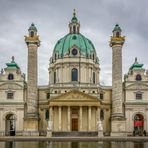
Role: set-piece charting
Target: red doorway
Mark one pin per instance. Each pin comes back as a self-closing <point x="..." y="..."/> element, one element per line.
<point x="138" y="124"/>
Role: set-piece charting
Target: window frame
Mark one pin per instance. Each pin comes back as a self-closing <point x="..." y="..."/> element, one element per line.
<point x="47" y="114"/>
<point x="138" y="77"/>
<point x="74" y="52"/>
<point x="10" y="76"/>
<point x="101" y="114"/>
<point x="54" y="77"/>
<point x="47" y="95"/>
<point x="74" y="75"/>
<point x="10" y="96"/>
<point x="138" y="95"/>
<point x="94" y="78"/>
<point x="101" y="96"/>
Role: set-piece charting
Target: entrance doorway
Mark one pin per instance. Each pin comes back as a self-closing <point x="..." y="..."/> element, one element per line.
<point x="74" y="119"/>
<point x="138" y="124"/>
<point x="10" y="125"/>
<point x="74" y="124"/>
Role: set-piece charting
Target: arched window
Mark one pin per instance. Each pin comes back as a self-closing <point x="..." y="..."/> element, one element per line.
<point x="138" y="77"/>
<point x="48" y="95"/>
<point x="93" y="56"/>
<point x="54" y="77"/>
<point x="10" y="125"/>
<point x="94" y="77"/>
<point x="10" y="76"/>
<point x="101" y="114"/>
<point x="47" y="115"/>
<point x="74" y="29"/>
<point x="101" y="96"/>
<point x="138" y="124"/>
<point x="74" y="74"/>
<point x="117" y="34"/>
<point x="32" y="34"/>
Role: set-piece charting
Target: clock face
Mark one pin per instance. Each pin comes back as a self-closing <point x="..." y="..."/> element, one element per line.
<point x="74" y="51"/>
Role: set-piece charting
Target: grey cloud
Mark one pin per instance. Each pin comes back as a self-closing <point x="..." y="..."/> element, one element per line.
<point x="51" y="17"/>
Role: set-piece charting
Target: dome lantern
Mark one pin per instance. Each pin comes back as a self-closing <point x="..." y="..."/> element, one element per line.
<point x="32" y="30"/>
<point x="117" y="31"/>
<point x="74" y="25"/>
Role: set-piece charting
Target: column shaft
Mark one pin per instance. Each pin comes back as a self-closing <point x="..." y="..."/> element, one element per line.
<point x="80" y="118"/>
<point x="60" y="127"/>
<point x="51" y="113"/>
<point x="89" y="118"/>
<point x="68" y="118"/>
<point x="98" y="114"/>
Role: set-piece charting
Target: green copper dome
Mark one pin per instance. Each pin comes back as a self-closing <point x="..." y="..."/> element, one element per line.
<point x="74" y="43"/>
<point x="136" y="65"/>
<point x="83" y="44"/>
<point x="12" y="64"/>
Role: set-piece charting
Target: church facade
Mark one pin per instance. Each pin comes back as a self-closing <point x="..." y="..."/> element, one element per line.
<point x="73" y="101"/>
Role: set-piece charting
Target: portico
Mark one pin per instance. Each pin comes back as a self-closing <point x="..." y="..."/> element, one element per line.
<point x="74" y="111"/>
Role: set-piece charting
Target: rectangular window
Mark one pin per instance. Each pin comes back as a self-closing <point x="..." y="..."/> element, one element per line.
<point x="47" y="114"/>
<point x="54" y="77"/>
<point x="138" y="96"/>
<point x="10" y="95"/>
<point x="101" y="96"/>
<point x="48" y="95"/>
<point x="94" y="77"/>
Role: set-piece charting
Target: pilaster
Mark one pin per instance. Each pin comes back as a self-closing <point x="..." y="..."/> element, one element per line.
<point x="68" y="117"/>
<point x="80" y="118"/>
<point x="89" y="118"/>
<point x="60" y="122"/>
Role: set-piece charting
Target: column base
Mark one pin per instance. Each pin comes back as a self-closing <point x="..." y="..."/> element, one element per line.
<point x="49" y="134"/>
<point x="118" y="126"/>
<point x="118" y="134"/>
<point x="31" y="126"/>
<point x="100" y="134"/>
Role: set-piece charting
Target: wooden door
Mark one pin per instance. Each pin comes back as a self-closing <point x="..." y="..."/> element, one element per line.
<point x="74" y="124"/>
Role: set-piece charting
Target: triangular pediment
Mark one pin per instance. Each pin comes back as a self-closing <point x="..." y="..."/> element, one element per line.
<point x="137" y="86"/>
<point x="73" y="96"/>
<point x="11" y="86"/>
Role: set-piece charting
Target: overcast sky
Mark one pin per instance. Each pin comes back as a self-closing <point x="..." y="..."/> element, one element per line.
<point x="97" y="19"/>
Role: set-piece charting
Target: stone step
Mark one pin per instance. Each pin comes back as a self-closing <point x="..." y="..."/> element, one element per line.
<point x="75" y="134"/>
